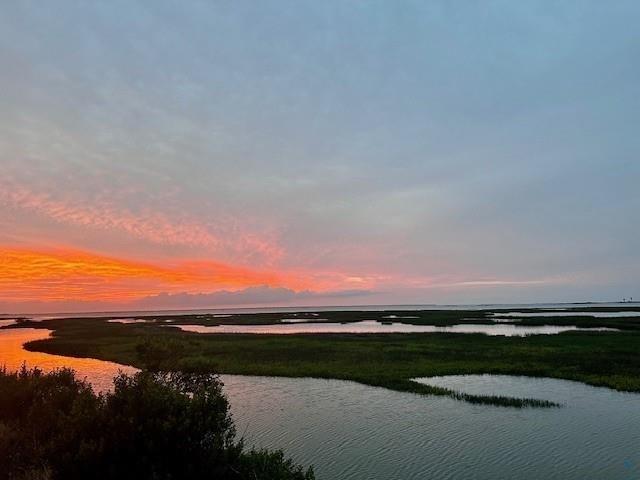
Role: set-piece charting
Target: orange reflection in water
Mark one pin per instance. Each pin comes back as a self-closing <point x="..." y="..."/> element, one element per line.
<point x="13" y="355"/>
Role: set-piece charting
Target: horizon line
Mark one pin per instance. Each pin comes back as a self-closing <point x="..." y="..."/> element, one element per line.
<point x="318" y="307"/>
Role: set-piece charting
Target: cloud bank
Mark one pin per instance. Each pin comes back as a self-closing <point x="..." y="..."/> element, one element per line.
<point x="248" y="297"/>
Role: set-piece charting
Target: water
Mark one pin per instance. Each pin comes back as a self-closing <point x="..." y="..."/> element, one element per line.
<point x="350" y="431"/>
<point x="310" y="309"/>
<point x="12" y="356"/>
<point x="303" y="320"/>
<point x="372" y="326"/>
<point x="354" y="432"/>
<point x="567" y="314"/>
<point x="130" y="320"/>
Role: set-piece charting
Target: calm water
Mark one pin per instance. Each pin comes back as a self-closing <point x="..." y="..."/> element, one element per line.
<point x="280" y="309"/>
<point x="372" y="326"/>
<point x="568" y="314"/>
<point x="354" y="432"/>
<point x="12" y="355"/>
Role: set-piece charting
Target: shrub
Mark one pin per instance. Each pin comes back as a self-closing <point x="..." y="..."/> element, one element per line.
<point x="158" y="426"/>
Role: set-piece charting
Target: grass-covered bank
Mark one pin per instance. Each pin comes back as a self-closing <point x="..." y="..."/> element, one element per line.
<point x="155" y="426"/>
<point x="604" y="359"/>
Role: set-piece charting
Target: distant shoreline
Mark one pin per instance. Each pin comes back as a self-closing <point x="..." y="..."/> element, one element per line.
<point x="318" y="308"/>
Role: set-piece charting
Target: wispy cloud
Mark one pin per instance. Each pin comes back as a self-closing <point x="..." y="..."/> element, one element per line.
<point x="152" y="226"/>
<point x="147" y="224"/>
<point x="261" y="295"/>
<point x="498" y="283"/>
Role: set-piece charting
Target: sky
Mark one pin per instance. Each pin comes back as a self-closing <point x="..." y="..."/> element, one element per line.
<point x="177" y="154"/>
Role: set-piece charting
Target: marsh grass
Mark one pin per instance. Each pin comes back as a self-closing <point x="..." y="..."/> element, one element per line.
<point x="607" y="359"/>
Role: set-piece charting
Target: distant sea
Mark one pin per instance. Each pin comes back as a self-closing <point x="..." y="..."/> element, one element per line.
<point x="281" y="309"/>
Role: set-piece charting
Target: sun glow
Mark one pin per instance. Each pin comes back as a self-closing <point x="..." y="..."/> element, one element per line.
<point x="64" y="274"/>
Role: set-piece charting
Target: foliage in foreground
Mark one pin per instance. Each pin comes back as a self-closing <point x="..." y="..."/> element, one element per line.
<point x="156" y="426"/>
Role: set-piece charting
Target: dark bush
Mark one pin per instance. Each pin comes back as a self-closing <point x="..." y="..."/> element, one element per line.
<point x="158" y="426"/>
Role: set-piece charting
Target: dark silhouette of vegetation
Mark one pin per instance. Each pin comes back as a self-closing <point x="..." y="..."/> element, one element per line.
<point x="440" y="318"/>
<point x="160" y="354"/>
<point x="159" y="426"/>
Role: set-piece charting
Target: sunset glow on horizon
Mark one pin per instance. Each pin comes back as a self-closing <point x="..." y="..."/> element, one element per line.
<point x="156" y="156"/>
<point x="58" y="275"/>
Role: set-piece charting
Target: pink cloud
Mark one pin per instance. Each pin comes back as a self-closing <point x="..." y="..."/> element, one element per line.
<point x="227" y="238"/>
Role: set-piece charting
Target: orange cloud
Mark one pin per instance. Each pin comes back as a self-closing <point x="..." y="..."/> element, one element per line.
<point x="67" y="274"/>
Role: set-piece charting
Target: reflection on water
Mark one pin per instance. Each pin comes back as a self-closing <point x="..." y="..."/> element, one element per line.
<point x="12" y="355"/>
<point x="559" y="391"/>
<point x="567" y="314"/>
<point x="130" y="320"/>
<point x="5" y="322"/>
<point x="151" y="321"/>
<point x="302" y="320"/>
<point x="351" y="431"/>
<point x="371" y="326"/>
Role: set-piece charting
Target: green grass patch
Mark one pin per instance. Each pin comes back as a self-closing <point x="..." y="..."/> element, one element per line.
<point x="608" y="359"/>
